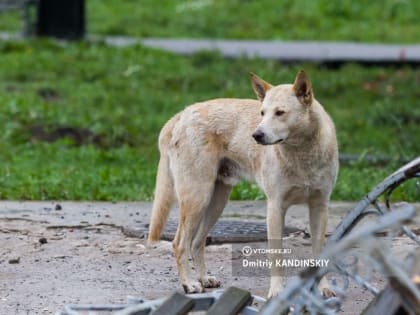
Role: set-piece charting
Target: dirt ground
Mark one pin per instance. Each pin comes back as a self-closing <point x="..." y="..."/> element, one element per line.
<point x="50" y="257"/>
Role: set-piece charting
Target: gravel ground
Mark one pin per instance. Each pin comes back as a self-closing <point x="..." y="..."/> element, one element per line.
<point x="79" y="255"/>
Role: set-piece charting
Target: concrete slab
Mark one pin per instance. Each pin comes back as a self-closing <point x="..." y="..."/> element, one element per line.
<point x="288" y="51"/>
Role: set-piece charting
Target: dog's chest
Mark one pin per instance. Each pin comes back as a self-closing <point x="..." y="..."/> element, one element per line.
<point x="296" y="179"/>
<point x="298" y="182"/>
<point x="305" y="173"/>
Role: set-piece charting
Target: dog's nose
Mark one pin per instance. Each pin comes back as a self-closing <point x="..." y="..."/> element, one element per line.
<point x="258" y="136"/>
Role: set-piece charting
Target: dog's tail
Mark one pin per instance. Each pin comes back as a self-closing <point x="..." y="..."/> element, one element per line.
<point x="164" y="197"/>
<point x="164" y="192"/>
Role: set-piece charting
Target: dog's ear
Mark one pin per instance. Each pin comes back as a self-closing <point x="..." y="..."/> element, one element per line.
<point x="303" y="88"/>
<point x="260" y="86"/>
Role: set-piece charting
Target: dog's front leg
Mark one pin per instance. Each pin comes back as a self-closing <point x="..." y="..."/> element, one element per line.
<point x="318" y="218"/>
<point x="275" y="228"/>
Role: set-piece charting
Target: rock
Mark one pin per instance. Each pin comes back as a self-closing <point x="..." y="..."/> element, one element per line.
<point x="14" y="260"/>
<point x="58" y="207"/>
<point x="43" y="240"/>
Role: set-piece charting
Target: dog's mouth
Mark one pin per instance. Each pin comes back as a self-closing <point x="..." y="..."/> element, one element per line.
<point x="276" y="142"/>
<point x="271" y="143"/>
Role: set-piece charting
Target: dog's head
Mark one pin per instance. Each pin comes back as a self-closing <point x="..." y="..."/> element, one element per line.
<point x="285" y="108"/>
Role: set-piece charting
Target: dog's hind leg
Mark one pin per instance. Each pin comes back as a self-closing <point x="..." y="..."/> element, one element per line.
<point x="215" y="208"/>
<point x="194" y="195"/>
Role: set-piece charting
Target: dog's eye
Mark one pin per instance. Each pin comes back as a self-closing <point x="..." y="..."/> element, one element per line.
<point x="262" y="113"/>
<point x="279" y="112"/>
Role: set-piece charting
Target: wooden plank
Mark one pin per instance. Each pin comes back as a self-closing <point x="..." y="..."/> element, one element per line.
<point x="231" y="302"/>
<point x="176" y="304"/>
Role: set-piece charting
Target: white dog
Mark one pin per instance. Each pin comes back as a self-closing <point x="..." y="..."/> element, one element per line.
<point x="285" y="141"/>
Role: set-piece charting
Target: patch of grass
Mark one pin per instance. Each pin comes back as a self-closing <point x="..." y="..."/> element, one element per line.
<point x="56" y="171"/>
<point x="266" y="19"/>
<point x="125" y="95"/>
<point x="393" y="21"/>
<point x="10" y="21"/>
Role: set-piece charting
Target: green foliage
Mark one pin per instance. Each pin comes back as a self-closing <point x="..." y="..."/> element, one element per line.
<point x="394" y="21"/>
<point x="123" y="96"/>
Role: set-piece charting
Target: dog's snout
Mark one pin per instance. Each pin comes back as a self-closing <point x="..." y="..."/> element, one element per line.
<point x="258" y="136"/>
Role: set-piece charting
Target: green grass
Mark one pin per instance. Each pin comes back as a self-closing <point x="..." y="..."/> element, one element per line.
<point x="125" y="95"/>
<point x="393" y="21"/>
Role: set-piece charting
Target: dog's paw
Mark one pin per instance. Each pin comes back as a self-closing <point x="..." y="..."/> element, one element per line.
<point x="193" y="287"/>
<point x="274" y="291"/>
<point x="327" y="293"/>
<point x="325" y="289"/>
<point x="210" y="282"/>
<point x="276" y="286"/>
